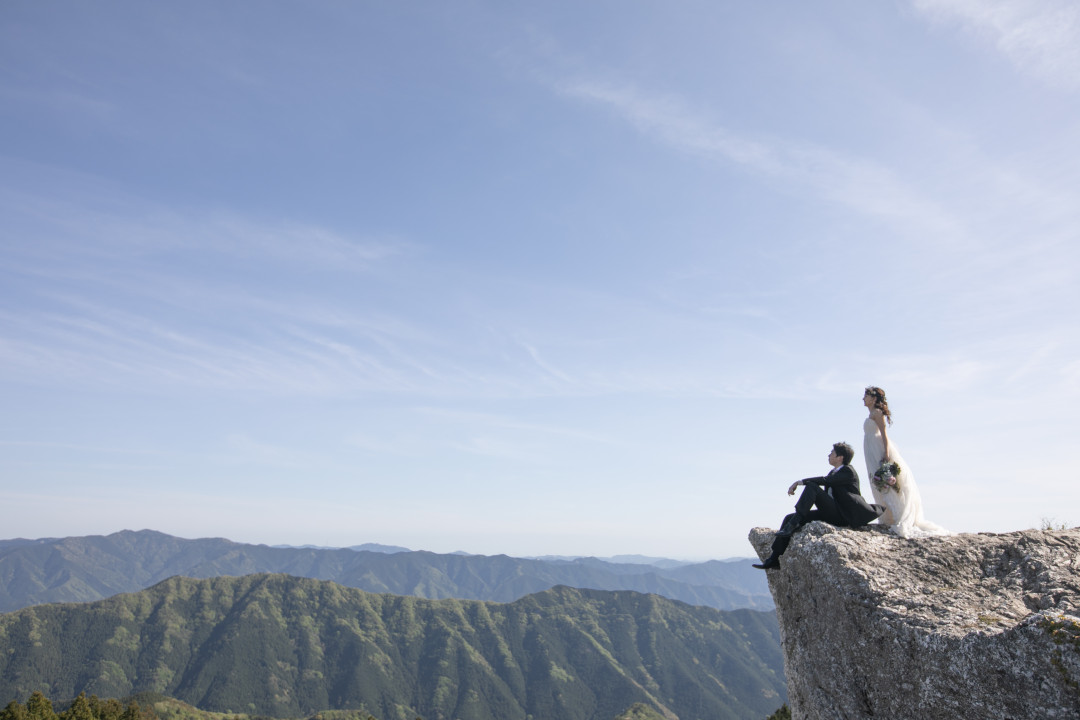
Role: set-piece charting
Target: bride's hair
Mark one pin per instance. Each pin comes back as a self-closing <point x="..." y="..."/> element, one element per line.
<point x="880" y="402"/>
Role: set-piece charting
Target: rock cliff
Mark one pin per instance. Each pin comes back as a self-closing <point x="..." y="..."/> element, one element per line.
<point x="981" y="626"/>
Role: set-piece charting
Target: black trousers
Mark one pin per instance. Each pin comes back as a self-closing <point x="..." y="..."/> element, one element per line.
<point x="814" y="503"/>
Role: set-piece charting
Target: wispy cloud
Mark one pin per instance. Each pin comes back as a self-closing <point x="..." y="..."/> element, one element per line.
<point x="71" y="219"/>
<point x="308" y="245"/>
<point x="1041" y="37"/>
<point x="409" y="432"/>
<point x="954" y="371"/>
<point x="860" y="184"/>
<point x="1071" y="377"/>
<point x="1037" y="361"/>
<point x="544" y="365"/>
<point x="102" y="345"/>
<point x="498" y="422"/>
<point x="105" y="288"/>
<point x="64" y="103"/>
<point x="241" y="449"/>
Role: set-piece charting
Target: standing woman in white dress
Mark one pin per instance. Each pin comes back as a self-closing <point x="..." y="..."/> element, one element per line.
<point x="903" y="505"/>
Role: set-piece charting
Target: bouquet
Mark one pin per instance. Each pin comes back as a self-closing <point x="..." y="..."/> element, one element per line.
<point x="887" y="477"/>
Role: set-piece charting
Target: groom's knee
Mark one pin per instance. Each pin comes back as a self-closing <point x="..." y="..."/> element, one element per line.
<point x="807" y="499"/>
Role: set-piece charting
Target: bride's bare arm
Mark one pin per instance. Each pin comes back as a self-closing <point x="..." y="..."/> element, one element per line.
<point x="879" y="419"/>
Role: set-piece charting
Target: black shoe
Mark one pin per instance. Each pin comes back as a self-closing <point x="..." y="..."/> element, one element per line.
<point x="770" y="564"/>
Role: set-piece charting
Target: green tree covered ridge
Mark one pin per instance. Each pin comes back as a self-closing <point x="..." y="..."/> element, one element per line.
<point x="39" y="707"/>
<point x="284" y="646"/>
<point x="159" y="707"/>
<point x="144" y="706"/>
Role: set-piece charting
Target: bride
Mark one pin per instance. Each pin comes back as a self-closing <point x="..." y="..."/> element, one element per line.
<point x="903" y="506"/>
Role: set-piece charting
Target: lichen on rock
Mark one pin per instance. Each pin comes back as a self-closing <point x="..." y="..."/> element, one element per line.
<point x="962" y="626"/>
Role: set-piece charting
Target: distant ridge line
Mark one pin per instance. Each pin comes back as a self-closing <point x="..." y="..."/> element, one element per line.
<point x="84" y="569"/>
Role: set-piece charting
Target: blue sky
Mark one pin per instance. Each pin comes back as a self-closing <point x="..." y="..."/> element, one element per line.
<point x="531" y="278"/>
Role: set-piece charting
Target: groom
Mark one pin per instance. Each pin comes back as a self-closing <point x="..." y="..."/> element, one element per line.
<point x="836" y="498"/>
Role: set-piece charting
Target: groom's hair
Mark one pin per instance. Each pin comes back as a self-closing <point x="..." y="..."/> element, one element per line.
<point x="844" y="451"/>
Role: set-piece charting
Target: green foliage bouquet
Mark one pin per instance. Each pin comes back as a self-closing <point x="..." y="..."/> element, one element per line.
<point x="887" y="477"/>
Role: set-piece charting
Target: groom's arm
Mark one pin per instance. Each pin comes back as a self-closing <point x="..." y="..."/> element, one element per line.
<point x="825" y="481"/>
<point x="804" y="481"/>
<point x="843" y="476"/>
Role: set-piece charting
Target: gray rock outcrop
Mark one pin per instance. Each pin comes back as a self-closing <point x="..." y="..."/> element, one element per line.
<point x="981" y="626"/>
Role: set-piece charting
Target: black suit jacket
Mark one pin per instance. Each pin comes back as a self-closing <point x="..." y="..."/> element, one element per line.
<point x="849" y="501"/>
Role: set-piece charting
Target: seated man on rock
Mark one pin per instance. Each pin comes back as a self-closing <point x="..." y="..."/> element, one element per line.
<point x="834" y="498"/>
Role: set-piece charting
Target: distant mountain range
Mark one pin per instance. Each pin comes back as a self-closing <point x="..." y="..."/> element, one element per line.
<point x="284" y="646"/>
<point x="366" y="547"/>
<point x="84" y="569"/>
<point x="621" y="560"/>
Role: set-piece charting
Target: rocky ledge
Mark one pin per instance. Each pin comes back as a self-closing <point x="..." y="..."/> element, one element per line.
<point x="966" y="626"/>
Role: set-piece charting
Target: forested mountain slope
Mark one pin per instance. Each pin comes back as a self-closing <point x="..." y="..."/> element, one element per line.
<point x="284" y="646"/>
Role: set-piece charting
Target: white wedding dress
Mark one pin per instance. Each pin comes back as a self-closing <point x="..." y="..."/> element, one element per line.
<point x="904" y="512"/>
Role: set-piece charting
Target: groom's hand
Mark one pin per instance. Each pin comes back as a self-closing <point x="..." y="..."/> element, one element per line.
<point x="791" y="490"/>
